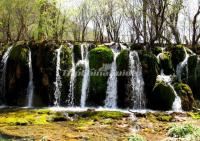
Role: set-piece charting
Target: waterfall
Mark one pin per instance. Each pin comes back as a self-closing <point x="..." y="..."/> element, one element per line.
<point x="72" y="80"/>
<point x="137" y="82"/>
<point x="167" y="79"/>
<point x="30" y="89"/>
<point x="111" y="98"/>
<point x="58" y="83"/>
<point x="86" y="76"/>
<point x="181" y="65"/>
<point x="4" y="63"/>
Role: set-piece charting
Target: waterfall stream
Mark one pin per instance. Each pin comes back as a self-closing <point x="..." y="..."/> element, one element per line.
<point x="137" y="82"/>
<point x="182" y="65"/>
<point x="167" y="79"/>
<point x="58" y="83"/>
<point x="111" y="98"/>
<point x="30" y="89"/>
<point x="86" y="76"/>
<point x="70" y="99"/>
<point x="4" y="63"/>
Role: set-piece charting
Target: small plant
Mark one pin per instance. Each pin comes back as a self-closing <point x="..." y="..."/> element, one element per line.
<point x="187" y="131"/>
<point x="136" y="138"/>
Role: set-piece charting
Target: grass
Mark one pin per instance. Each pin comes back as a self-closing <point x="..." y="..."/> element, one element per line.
<point x="187" y="131"/>
<point x="136" y="138"/>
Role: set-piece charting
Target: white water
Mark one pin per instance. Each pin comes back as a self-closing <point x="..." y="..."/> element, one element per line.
<point x="86" y="76"/>
<point x="177" y="102"/>
<point x="137" y="82"/>
<point x="4" y="63"/>
<point x="181" y="66"/>
<point x="30" y="89"/>
<point x="72" y="80"/>
<point x="58" y="82"/>
<point x="111" y="98"/>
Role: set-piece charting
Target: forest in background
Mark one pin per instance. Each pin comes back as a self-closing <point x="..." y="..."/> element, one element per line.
<point x="137" y="21"/>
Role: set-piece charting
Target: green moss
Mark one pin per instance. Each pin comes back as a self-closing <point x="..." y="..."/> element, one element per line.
<point x="122" y="60"/>
<point x="187" y="99"/>
<point x="77" y="52"/>
<point x="194" y="115"/>
<point x="164" y="117"/>
<point x="99" y="56"/>
<point x="136" y="138"/>
<point x="157" y="50"/>
<point x="162" y="96"/>
<point x="178" y="54"/>
<point x="166" y="63"/>
<point x="19" y="53"/>
<point x="150" y="68"/>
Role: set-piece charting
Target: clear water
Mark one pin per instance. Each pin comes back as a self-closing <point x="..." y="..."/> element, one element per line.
<point x="4" y="63"/>
<point x="86" y="76"/>
<point x="30" y="89"/>
<point x="137" y="82"/>
<point x="111" y="98"/>
<point x="58" y="83"/>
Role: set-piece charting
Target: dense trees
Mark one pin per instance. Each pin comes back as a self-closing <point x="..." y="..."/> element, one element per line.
<point x="139" y="21"/>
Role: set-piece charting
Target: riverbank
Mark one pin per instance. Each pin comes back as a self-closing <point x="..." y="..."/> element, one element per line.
<point x="50" y="125"/>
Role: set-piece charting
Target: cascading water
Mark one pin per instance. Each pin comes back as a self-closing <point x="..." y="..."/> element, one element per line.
<point x="167" y="79"/>
<point x="4" y="63"/>
<point x="137" y="82"/>
<point x="72" y="80"/>
<point x="86" y="76"/>
<point x="58" y="82"/>
<point x="30" y="89"/>
<point x="111" y="98"/>
<point x="181" y="66"/>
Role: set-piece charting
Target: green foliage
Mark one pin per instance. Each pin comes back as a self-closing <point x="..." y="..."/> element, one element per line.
<point x="136" y="138"/>
<point x="188" y="131"/>
<point x="99" y="56"/>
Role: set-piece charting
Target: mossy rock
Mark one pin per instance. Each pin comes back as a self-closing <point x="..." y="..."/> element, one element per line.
<point x="185" y="93"/>
<point x="66" y="65"/>
<point x="150" y="69"/>
<point x="163" y="96"/>
<point x="166" y="63"/>
<point x="178" y="54"/>
<point x="123" y="85"/>
<point x="77" y="52"/>
<point x="157" y="50"/>
<point x="99" y="57"/>
<point x="194" y="75"/>
<point x="136" y="47"/>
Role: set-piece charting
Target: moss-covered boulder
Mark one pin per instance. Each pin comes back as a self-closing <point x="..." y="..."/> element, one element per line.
<point x="157" y="50"/>
<point x="17" y="75"/>
<point x="98" y="58"/>
<point x="123" y="85"/>
<point x="178" y="54"/>
<point x="166" y="63"/>
<point x="185" y="93"/>
<point x="66" y="65"/>
<point x="194" y="74"/>
<point x="136" y="47"/>
<point x="162" y="97"/>
<point x="77" y="52"/>
<point x="150" y="68"/>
